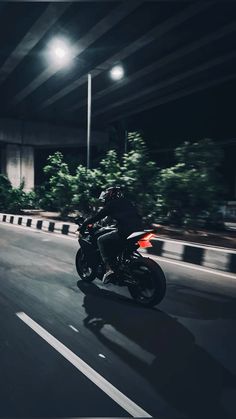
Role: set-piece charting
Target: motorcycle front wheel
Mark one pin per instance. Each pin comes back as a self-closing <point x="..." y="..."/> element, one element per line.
<point x="86" y="272"/>
<point x="150" y="287"/>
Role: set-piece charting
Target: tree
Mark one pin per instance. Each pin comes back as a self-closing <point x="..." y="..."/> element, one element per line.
<point x="110" y="173"/>
<point x="5" y="191"/>
<point x="59" y="188"/>
<point x="139" y="176"/>
<point x="135" y="173"/>
<point x="188" y="191"/>
<point x="12" y="199"/>
<point x="86" y="189"/>
<point x="192" y="187"/>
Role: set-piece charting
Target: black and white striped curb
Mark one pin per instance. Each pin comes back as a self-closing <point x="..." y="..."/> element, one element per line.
<point x="40" y="224"/>
<point x="207" y="256"/>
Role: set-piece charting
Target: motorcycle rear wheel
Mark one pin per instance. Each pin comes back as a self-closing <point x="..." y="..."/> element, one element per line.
<point x="87" y="273"/>
<point x="151" y="282"/>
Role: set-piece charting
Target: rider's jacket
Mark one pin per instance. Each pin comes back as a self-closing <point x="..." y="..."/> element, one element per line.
<point x="123" y="212"/>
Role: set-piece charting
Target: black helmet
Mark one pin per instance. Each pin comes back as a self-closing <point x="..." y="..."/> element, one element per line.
<point x="114" y="192"/>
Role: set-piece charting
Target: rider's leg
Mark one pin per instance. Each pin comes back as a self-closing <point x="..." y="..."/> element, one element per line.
<point x="109" y="245"/>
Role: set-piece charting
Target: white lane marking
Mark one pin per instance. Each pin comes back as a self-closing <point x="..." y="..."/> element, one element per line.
<point x="132" y="408"/>
<point x="73" y="328"/>
<point x="192" y="244"/>
<point x="102" y="356"/>
<point x="195" y="268"/>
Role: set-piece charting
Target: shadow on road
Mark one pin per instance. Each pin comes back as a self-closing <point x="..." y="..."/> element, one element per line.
<point x="188" y="302"/>
<point x="187" y="377"/>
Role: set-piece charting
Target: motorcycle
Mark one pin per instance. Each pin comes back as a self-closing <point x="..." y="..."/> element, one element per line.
<point x="144" y="278"/>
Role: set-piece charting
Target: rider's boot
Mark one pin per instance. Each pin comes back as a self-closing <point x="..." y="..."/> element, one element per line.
<point x="107" y="275"/>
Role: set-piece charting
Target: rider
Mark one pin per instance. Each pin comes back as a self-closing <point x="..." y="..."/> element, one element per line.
<point x="120" y="209"/>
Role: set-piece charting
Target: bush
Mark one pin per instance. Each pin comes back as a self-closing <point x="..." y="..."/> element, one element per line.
<point x="5" y="191"/>
<point x="58" y="191"/>
<point x="31" y="200"/>
<point x="12" y="200"/>
<point x="191" y="187"/>
<point x="184" y="194"/>
<point x="135" y="173"/>
<point x="86" y="187"/>
<point x="139" y="176"/>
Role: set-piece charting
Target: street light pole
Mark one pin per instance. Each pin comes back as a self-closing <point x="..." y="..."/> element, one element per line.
<point x="61" y="53"/>
<point x="116" y="73"/>
<point x="89" y="118"/>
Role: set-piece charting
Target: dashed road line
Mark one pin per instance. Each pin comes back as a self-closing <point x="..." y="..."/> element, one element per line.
<point x="116" y="395"/>
<point x="73" y="328"/>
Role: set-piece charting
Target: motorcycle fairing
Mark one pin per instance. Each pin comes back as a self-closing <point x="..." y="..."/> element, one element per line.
<point x="137" y="235"/>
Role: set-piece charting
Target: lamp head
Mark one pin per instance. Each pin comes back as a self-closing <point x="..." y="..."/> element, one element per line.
<point x="117" y="72"/>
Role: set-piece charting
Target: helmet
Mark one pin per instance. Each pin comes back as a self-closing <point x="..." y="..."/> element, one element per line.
<point x="113" y="192"/>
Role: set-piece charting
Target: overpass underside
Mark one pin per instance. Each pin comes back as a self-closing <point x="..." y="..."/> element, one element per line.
<point x="19" y="142"/>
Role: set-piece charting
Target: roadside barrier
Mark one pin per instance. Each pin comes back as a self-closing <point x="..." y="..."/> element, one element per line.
<point x="218" y="258"/>
<point x="39" y="224"/>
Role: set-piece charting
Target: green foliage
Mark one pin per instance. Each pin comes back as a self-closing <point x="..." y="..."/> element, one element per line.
<point x="139" y="176"/>
<point x="110" y="173"/>
<point x="191" y="187"/>
<point x="13" y="200"/>
<point x="187" y="192"/>
<point x="135" y="173"/>
<point x="5" y="191"/>
<point x="59" y="188"/>
<point x="31" y="200"/>
<point x="17" y="200"/>
<point x="85" y="189"/>
<point x="199" y="155"/>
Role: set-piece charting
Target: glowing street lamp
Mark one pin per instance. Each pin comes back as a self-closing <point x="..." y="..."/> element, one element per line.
<point x="61" y="54"/>
<point x="117" y="72"/>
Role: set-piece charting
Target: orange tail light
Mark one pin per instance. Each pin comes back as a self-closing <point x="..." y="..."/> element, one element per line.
<point x="145" y="241"/>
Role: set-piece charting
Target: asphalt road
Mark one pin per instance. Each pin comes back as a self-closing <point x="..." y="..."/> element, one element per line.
<point x="173" y="362"/>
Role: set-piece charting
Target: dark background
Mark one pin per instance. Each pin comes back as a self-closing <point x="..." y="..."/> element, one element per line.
<point x="138" y="35"/>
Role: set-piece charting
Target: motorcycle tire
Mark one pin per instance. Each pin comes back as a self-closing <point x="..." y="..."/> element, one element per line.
<point x="87" y="273"/>
<point x="150" y="280"/>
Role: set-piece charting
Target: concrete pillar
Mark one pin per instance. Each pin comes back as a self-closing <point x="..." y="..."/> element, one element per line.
<point x="20" y="165"/>
<point x="28" y="167"/>
<point x="13" y="171"/>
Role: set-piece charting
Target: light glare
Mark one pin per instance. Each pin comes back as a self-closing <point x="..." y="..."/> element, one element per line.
<point x="117" y="72"/>
<point x="60" y="52"/>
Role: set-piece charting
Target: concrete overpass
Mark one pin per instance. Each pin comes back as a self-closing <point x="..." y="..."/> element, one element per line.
<point x="20" y="140"/>
<point x="176" y="55"/>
